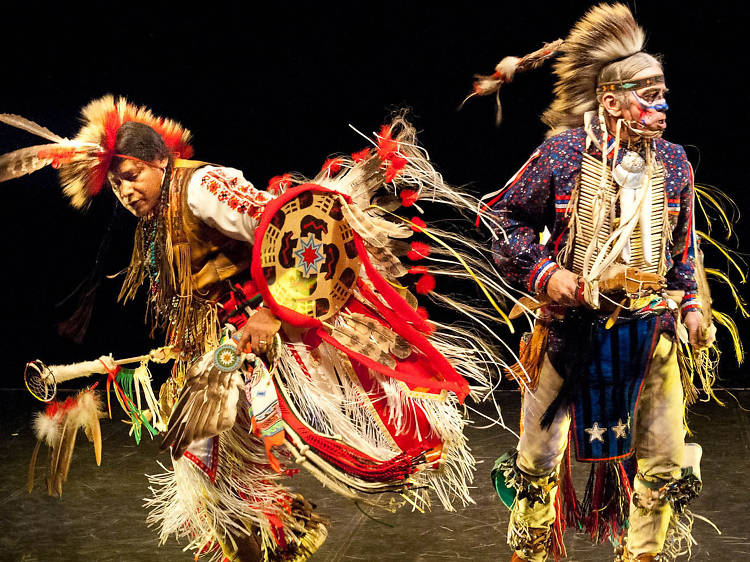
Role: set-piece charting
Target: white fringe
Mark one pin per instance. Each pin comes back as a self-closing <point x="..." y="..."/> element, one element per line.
<point x="331" y="400"/>
<point x="188" y="505"/>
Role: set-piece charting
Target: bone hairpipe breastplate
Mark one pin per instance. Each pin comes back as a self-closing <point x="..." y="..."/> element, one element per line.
<point x="598" y="221"/>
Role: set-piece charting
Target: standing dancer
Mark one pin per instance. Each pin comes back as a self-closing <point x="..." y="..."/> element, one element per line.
<point x="623" y="310"/>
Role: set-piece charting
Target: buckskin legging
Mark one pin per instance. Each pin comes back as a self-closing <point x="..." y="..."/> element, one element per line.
<point x="658" y="440"/>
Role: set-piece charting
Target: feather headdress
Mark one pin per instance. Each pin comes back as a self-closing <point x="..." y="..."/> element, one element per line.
<point x="606" y="33"/>
<point x="85" y="160"/>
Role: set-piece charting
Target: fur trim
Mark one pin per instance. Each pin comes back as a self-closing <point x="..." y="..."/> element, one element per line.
<point x="88" y="404"/>
<point x="47" y="428"/>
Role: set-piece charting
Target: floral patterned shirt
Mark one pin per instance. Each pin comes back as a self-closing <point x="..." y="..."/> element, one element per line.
<point x="226" y="201"/>
<point x="537" y="197"/>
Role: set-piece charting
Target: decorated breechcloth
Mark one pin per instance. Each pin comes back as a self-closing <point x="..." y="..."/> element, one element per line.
<point x="604" y="370"/>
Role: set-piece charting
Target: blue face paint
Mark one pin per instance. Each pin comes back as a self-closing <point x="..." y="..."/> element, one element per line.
<point x="646" y="106"/>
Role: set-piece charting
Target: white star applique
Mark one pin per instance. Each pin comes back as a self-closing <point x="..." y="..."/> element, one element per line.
<point x="595" y="432"/>
<point x="621" y="430"/>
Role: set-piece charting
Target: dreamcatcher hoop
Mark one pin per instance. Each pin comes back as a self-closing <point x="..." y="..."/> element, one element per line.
<point x="40" y="381"/>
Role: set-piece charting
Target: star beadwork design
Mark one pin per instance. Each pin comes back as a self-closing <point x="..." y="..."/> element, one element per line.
<point x="309" y="256"/>
<point x="226" y="358"/>
<point x="621" y="429"/>
<point x="595" y="432"/>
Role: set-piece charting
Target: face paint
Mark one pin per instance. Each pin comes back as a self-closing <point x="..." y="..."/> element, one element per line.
<point x="646" y="107"/>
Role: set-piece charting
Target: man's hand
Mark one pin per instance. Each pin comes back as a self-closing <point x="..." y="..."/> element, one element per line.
<point x="562" y="287"/>
<point x="697" y="336"/>
<point x="259" y="330"/>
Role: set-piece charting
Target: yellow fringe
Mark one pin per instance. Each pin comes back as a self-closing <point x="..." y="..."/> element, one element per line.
<point x="460" y="260"/>
<point x="739" y="301"/>
<point x="726" y="321"/>
<point x="725" y="251"/>
<point x="713" y="196"/>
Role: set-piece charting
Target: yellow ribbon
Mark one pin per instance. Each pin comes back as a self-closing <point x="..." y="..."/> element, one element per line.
<point x="456" y="255"/>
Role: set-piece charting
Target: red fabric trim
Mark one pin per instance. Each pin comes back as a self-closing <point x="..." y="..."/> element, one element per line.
<point x="558" y="240"/>
<point x="690" y="218"/>
<point x="413" y="381"/>
<point x="346" y="458"/>
<point x="511" y="182"/>
<point x="391" y="296"/>
<point x="209" y="470"/>
<point x="545" y="277"/>
<point x="687" y="237"/>
<point x="451" y="380"/>
<point x="534" y="271"/>
<point x="418" y="435"/>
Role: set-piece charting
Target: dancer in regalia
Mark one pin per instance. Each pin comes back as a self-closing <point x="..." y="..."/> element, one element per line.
<point x="296" y="339"/>
<point x="624" y="319"/>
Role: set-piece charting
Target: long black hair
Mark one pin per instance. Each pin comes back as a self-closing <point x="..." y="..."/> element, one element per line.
<point x="140" y="141"/>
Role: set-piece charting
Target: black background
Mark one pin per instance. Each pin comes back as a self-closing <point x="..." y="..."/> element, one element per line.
<point x="272" y="88"/>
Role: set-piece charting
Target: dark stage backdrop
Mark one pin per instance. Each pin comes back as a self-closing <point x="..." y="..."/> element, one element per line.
<point x="273" y="90"/>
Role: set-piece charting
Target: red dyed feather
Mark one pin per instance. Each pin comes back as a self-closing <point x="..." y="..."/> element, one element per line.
<point x="428" y="327"/>
<point x="277" y="184"/>
<point x="361" y="155"/>
<point x="408" y="197"/>
<point x="417" y="224"/>
<point x="398" y="162"/>
<point x="331" y="166"/>
<point x="56" y="152"/>
<point x="112" y="124"/>
<point x="418" y="251"/>
<point x="418" y="269"/>
<point x="425" y="284"/>
<point x="387" y="147"/>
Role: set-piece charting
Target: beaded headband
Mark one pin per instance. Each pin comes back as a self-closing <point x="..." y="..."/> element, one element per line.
<point x="605" y="87"/>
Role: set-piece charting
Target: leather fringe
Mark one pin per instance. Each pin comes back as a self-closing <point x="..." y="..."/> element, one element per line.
<point x="530" y="357"/>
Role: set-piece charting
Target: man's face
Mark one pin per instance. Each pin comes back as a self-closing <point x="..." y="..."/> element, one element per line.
<point x="137" y="184"/>
<point x="647" y="107"/>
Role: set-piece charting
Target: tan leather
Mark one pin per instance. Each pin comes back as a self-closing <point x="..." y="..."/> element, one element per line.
<point x="618" y="279"/>
<point x="528" y="303"/>
<point x="535" y="547"/>
<point x="214" y="257"/>
<point x="644" y="557"/>
<point x="630" y="280"/>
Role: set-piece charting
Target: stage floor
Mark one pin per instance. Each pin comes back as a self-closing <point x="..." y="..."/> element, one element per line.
<point x="100" y="516"/>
